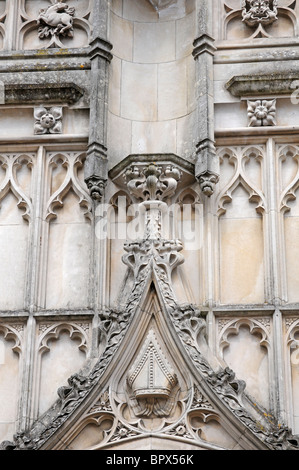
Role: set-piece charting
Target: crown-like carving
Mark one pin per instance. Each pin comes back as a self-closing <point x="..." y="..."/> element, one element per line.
<point x="151" y="378"/>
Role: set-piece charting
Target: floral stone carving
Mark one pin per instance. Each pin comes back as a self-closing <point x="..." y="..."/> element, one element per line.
<point x="55" y="22"/>
<point x="153" y="182"/>
<point x="261" y="113"/>
<point x="48" y="121"/>
<point x="255" y="12"/>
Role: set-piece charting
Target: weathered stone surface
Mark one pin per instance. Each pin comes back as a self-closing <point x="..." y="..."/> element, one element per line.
<point x="149" y="178"/>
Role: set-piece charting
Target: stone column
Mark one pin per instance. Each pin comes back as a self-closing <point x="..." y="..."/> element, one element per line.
<point x="207" y="163"/>
<point x="100" y="57"/>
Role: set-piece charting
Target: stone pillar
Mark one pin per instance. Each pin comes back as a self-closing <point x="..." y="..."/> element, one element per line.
<point x="207" y="163"/>
<point x="96" y="163"/>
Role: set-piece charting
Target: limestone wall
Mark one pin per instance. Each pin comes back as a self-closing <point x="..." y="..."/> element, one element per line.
<point x="59" y="270"/>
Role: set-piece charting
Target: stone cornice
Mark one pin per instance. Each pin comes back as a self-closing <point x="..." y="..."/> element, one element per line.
<point x="263" y="85"/>
<point x="34" y="93"/>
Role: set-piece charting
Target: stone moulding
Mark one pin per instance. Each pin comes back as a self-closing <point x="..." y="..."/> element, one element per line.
<point x="38" y="93"/>
<point x="258" y="85"/>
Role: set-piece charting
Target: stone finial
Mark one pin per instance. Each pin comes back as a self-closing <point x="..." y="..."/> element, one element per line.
<point x="261" y="113"/>
<point x="48" y="121"/>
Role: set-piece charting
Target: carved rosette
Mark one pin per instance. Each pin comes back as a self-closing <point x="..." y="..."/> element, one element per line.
<point x="48" y="121"/>
<point x="261" y="113"/>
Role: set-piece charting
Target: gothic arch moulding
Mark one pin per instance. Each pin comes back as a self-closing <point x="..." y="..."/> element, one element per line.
<point x="49" y="336"/>
<point x="254" y="358"/>
<point x="259" y="19"/>
<point x="52" y="24"/>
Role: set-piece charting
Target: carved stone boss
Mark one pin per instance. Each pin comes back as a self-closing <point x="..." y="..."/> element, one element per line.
<point x="261" y="112"/>
<point x="48" y="121"/>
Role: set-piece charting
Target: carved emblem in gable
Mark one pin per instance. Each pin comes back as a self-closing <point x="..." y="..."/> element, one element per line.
<point x="152" y="383"/>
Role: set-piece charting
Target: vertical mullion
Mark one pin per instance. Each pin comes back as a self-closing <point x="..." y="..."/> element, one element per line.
<point x="25" y="405"/>
<point x="36" y="232"/>
<point x="276" y="282"/>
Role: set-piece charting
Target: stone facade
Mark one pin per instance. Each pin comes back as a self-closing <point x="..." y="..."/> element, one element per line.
<point x="149" y="220"/>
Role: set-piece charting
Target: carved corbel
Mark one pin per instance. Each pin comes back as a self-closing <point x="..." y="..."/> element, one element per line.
<point x="207" y="168"/>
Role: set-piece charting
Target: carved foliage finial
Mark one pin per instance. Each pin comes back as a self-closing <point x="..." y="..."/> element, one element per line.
<point x="152" y="182"/>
